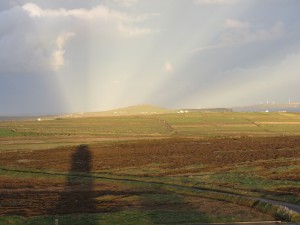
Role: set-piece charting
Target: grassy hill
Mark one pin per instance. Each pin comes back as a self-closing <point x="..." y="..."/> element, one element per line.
<point x="126" y="111"/>
<point x="140" y="109"/>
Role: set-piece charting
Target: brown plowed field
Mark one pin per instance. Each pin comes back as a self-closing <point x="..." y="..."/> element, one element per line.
<point x="39" y="196"/>
<point x="171" y="154"/>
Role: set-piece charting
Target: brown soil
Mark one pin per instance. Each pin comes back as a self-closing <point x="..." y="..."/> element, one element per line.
<point x="171" y="154"/>
<point x="39" y="196"/>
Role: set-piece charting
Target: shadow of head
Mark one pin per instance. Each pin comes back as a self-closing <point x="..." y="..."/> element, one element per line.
<point x="81" y="159"/>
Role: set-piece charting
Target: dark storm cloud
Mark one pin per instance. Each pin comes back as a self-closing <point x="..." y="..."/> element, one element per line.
<point x="23" y="48"/>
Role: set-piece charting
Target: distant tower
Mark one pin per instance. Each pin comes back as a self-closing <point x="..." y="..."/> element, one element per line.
<point x="289" y="100"/>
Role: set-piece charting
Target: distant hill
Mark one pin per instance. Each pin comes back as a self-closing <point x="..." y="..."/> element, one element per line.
<point x="150" y="109"/>
<point x="291" y="107"/>
<point x="139" y="109"/>
<point x="146" y="109"/>
<point x="127" y="111"/>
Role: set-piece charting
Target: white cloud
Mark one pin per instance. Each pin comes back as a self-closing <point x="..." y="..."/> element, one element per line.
<point x="100" y="12"/>
<point x="168" y="67"/>
<point x="33" y="40"/>
<point x="215" y="2"/>
<point x="58" y="54"/>
<point x="33" y="9"/>
<point x="123" y="22"/>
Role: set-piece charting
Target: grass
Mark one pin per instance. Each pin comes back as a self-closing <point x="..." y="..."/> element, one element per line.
<point x="67" y="131"/>
<point x="6" y="132"/>
<point x="127" y="217"/>
<point x="90" y="126"/>
<point x="232" y="124"/>
<point x="124" y="218"/>
<point x="209" y="211"/>
<point x="250" y="181"/>
<point x="185" y="124"/>
<point x="216" y="151"/>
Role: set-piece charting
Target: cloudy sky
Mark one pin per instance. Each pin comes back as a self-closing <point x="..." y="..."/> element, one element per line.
<point x="90" y="55"/>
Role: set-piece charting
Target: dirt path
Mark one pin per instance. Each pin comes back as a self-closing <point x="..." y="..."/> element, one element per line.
<point x="290" y="206"/>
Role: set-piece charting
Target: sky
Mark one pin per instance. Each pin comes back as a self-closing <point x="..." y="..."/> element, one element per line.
<point x="95" y="55"/>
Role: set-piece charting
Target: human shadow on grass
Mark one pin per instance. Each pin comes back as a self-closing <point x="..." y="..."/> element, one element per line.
<point x="78" y="196"/>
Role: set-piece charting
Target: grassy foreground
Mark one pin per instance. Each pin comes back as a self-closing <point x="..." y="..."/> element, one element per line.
<point x="148" y="169"/>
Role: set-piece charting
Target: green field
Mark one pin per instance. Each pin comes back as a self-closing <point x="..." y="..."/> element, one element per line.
<point x="151" y="169"/>
<point x="49" y="132"/>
